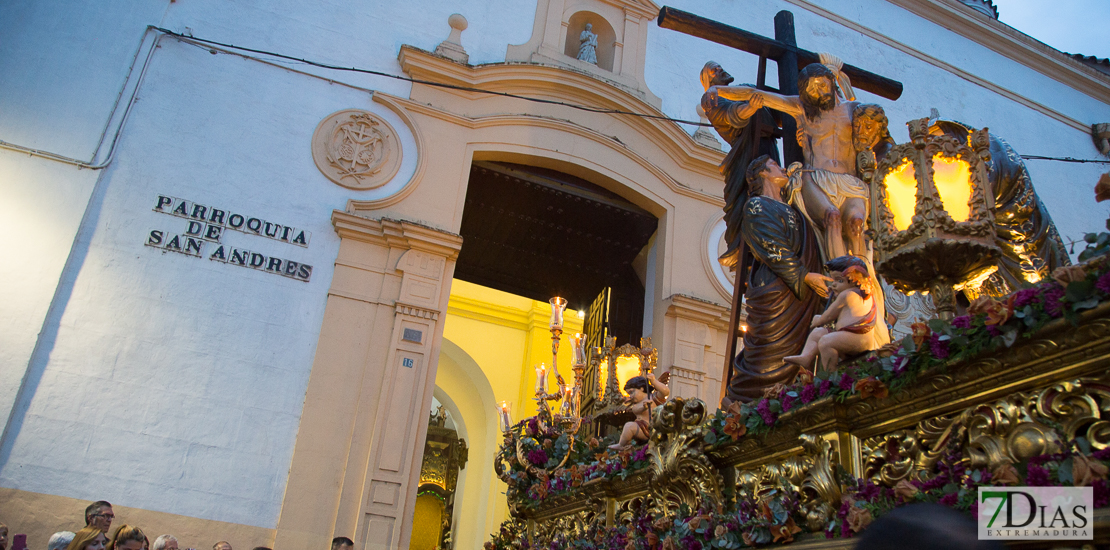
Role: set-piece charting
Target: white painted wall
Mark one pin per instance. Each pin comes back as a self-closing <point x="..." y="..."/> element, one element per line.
<point x="173" y="383"/>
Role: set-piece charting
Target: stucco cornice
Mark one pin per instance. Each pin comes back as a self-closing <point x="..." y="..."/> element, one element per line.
<point x="396" y="234"/>
<point x="1011" y="43"/>
<point x="689" y="307"/>
<point x="562" y="84"/>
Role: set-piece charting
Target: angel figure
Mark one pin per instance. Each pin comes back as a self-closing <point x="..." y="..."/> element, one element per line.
<point x="643" y="392"/>
<point x="854" y="311"/>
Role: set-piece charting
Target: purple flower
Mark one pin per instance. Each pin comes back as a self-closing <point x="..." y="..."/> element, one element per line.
<point x="938" y="347"/>
<point x="1103" y="283"/>
<point x="825" y="387"/>
<point x="1052" y="304"/>
<point x="994" y="330"/>
<point x="809" y="393"/>
<point x="1101" y="454"/>
<point x="962" y="321"/>
<point x="900" y="364"/>
<point x="949" y="499"/>
<point x="1026" y="297"/>
<point x="1037" y="476"/>
<point x="764" y="410"/>
<point x="537" y="457"/>
<point x="847" y="383"/>
<point x="787" y="402"/>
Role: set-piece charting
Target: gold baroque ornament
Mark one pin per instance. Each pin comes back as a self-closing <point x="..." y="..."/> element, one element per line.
<point x="356" y="149"/>
<point x="681" y="473"/>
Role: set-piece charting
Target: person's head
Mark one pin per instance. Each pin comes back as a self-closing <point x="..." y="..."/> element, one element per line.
<point x="342" y="543"/>
<point x="99" y="514"/>
<point x="712" y="74"/>
<point x="761" y="170"/>
<point x="3" y="536"/>
<point x="165" y="542"/>
<point x="127" y="537"/>
<point x="637" y="388"/>
<point x="921" y="526"/>
<point x="849" y="272"/>
<point x="869" y="126"/>
<point x="60" y="540"/>
<point x="816" y="90"/>
<point x="89" y="538"/>
<point x="222" y="545"/>
<point x="589" y="26"/>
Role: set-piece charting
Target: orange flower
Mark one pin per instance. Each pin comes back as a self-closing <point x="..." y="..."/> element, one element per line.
<point x="593" y="442"/>
<point x="652" y="539"/>
<point x="1069" y="274"/>
<point x="1005" y="474"/>
<point x="747" y="540"/>
<point x="859" y="518"/>
<point x="996" y="311"/>
<point x="785" y="532"/>
<point x="1086" y="471"/>
<point x="803" y="377"/>
<point x="540" y="490"/>
<point x="734" y="428"/>
<point x="1102" y="188"/>
<point x="670" y="544"/>
<point x="720" y="531"/>
<point x="921" y="333"/>
<point x="905" y="490"/>
<point x="694" y="523"/>
<point x="872" y="387"/>
<point x="774" y="391"/>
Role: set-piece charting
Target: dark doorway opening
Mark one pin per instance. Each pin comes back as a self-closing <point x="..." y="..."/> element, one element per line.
<point x="539" y="233"/>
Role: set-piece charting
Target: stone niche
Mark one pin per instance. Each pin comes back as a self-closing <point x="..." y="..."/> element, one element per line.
<point x="621" y="29"/>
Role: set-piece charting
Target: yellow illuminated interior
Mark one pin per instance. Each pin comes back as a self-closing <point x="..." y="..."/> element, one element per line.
<point x="953" y="180"/>
<point x="628" y="366"/>
<point x="901" y="192"/>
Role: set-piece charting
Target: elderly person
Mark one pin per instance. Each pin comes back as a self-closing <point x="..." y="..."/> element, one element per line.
<point x="99" y="514"/>
<point x="60" y="540"/>
<point x="89" y="538"/>
<point x="165" y="542"/>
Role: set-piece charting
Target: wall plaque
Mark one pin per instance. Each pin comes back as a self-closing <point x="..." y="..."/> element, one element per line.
<point x="356" y="149"/>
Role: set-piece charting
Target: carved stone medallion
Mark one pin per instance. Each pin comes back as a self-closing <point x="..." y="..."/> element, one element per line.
<point x="356" y="149"/>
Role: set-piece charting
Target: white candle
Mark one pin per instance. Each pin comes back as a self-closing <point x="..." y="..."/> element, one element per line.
<point x="503" y="414"/>
<point x="541" y="379"/>
<point x="557" y="306"/>
<point x="579" y="345"/>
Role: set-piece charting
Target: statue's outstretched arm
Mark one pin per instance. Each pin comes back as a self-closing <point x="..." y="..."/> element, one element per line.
<point x="786" y="104"/>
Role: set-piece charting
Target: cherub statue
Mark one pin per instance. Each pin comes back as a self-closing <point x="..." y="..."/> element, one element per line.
<point x="643" y="392"/>
<point x="854" y="311"/>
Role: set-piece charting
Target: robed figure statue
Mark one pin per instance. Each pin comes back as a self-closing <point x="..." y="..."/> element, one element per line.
<point x="785" y="285"/>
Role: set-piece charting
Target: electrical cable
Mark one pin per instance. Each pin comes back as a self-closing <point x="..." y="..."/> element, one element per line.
<point x="1064" y="159"/>
<point x="587" y="108"/>
<point x="506" y="94"/>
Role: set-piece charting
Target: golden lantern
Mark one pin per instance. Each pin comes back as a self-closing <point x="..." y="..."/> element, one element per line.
<point x="933" y="215"/>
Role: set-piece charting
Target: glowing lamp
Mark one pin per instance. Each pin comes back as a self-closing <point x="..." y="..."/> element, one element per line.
<point x="933" y="215"/>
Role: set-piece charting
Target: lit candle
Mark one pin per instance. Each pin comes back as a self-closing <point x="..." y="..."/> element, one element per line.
<point x="503" y="414"/>
<point x="579" y="344"/>
<point x="557" y="306"/>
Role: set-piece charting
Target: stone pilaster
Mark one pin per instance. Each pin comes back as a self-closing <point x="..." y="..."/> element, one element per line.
<point x="357" y="457"/>
<point x="693" y="346"/>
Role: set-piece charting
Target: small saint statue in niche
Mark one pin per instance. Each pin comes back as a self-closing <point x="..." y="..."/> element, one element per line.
<point x="854" y="311"/>
<point x="643" y="392"/>
<point x="587" y="45"/>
